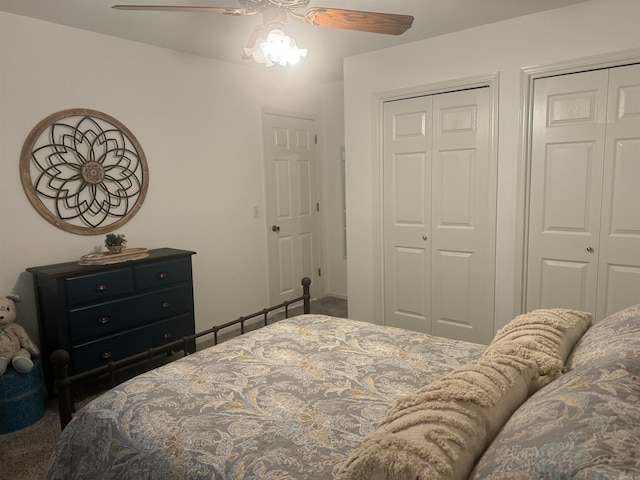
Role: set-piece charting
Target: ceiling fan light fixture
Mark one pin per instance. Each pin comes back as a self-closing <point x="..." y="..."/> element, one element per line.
<point x="277" y="48"/>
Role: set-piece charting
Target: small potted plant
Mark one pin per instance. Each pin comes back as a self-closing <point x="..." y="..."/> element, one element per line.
<point x="115" y="242"/>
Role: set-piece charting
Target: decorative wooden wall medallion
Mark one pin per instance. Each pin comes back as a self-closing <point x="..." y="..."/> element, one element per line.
<point x="84" y="171"/>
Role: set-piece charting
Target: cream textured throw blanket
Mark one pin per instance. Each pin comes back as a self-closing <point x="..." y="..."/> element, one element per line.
<point x="544" y="336"/>
<point x="441" y="430"/>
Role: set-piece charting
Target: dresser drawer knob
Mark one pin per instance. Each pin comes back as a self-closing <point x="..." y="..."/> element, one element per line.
<point x="106" y="355"/>
<point x="163" y="275"/>
<point x="101" y="287"/>
<point x="166" y="335"/>
<point x="103" y="320"/>
<point x="165" y="304"/>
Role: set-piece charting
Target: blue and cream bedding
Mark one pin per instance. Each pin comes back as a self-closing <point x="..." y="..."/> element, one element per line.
<point x="584" y="425"/>
<point x="318" y="397"/>
<point x="288" y="401"/>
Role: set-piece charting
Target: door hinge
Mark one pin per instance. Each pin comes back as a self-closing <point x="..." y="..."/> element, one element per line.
<point x="317" y="206"/>
<point x="319" y="272"/>
<point x="316" y="138"/>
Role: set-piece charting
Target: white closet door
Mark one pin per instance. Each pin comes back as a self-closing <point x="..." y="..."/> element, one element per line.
<point x="439" y="215"/>
<point x="584" y="216"/>
<point x="619" y="259"/>
<point x="463" y="223"/>
<point x="566" y="188"/>
<point x="407" y="212"/>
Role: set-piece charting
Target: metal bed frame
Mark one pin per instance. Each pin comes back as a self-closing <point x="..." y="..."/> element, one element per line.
<point x="60" y="358"/>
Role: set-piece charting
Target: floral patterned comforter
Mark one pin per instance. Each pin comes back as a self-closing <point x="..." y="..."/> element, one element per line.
<point x="288" y="401"/>
<point x="584" y="425"/>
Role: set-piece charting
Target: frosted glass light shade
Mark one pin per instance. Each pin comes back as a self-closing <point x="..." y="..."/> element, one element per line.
<point x="278" y="48"/>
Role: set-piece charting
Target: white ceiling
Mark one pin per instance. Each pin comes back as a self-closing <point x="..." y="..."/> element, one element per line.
<point x="223" y="37"/>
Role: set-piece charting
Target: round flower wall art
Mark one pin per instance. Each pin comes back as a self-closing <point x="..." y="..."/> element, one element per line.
<point x="84" y="171"/>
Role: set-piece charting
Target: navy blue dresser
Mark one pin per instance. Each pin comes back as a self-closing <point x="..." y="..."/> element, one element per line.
<point x="108" y="312"/>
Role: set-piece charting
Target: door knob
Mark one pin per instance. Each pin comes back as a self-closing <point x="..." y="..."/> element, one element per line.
<point x="424" y="237"/>
<point x="275" y="228"/>
<point x="590" y="249"/>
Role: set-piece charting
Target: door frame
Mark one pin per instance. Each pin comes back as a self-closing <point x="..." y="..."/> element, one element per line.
<point x="490" y="80"/>
<point x="528" y="75"/>
<point x="317" y="290"/>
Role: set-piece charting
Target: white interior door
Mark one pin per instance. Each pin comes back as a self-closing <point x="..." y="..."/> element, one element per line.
<point x="464" y="209"/>
<point x="584" y="221"/>
<point x="407" y="212"/>
<point x="619" y="258"/>
<point x="566" y="189"/>
<point x="291" y="204"/>
<point x="439" y="215"/>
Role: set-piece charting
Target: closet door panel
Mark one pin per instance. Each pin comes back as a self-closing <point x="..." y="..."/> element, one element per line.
<point x="463" y="230"/>
<point x="407" y="213"/>
<point x="409" y="287"/>
<point x="565" y="190"/>
<point x="566" y="283"/>
<point x="619" y="258"/>
<point x="621" y="289"/>
<point x="454" y="294"/>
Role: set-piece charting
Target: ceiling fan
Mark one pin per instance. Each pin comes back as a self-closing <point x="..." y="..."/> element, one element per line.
<point x="275" y="13"/>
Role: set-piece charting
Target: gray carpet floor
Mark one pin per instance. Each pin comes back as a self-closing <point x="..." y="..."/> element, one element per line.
<point x="24" y="455"/>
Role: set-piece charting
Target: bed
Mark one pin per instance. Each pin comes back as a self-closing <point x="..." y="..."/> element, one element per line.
<point x="319" y="397"/>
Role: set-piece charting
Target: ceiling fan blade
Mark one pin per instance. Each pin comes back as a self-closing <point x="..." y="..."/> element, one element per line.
<point x="386" y="23"/>
<point x="185" y="8"/>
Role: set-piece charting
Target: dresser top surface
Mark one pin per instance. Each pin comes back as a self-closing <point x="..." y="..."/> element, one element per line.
<point x="68" y="269"/>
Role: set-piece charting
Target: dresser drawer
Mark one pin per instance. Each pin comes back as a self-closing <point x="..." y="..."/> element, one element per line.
<point x="114" y="316"/>
<point x="115" y="347"/>
<point x="97" y="286"/>
<point x="157" y="275"/>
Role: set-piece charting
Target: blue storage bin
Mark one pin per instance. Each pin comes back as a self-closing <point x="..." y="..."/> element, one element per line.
<point x="21" y="398"/>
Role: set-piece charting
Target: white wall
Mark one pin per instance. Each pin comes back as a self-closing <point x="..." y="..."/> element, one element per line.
<point x="198" y="121"/>
<point x="587" y="29"/>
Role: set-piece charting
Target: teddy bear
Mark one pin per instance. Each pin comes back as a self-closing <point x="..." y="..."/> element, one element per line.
<point x="15" y="344"/>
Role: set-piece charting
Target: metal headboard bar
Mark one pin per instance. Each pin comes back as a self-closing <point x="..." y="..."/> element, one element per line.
<point x="60" y="358"/>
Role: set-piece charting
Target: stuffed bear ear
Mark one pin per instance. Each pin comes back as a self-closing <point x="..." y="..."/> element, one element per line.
<point x="14" y="297"/>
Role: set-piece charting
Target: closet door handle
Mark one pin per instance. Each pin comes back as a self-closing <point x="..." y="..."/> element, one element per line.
<point x="590" y="249"/>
